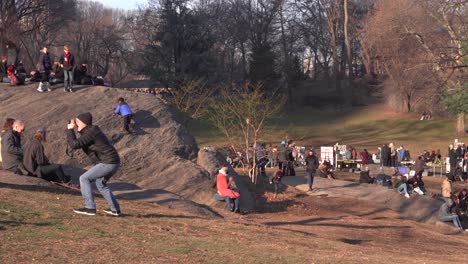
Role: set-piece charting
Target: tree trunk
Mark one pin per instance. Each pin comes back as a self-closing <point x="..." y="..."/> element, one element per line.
<point x="348" y="71"/>
<point x="460" y="124"/>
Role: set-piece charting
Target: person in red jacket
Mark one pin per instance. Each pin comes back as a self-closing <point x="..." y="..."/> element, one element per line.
<point x="223" y="183"/>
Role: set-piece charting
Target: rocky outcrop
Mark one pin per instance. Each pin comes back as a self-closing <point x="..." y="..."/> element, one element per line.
<point x="212" y="161"/>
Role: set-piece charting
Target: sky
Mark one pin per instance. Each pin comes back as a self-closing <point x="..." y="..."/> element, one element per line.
<point x="122" y="4"/>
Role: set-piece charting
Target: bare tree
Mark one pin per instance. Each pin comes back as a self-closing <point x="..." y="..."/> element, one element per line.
<point x="243" y="113"/>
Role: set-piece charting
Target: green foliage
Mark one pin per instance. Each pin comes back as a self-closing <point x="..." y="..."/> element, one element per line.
<point x="262" y="64"/>
<point x="458" y="102"/>
<point x="180" y="47"/>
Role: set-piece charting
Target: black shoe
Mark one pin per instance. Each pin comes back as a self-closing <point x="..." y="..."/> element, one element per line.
<point x="237" y="211"/>
<point x="111" y="212"/>
<point x="85" y="211"/>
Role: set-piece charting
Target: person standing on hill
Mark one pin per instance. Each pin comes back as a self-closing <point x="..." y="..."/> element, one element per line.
<point x="67" y="62"/>
<point x="12" y="151"/>
<point x="96" y="145"/>
<point x="385" y="155"/>
<point x="123" y="109"/>
<point x="45" y="66"/>
<point x="311" y="167"/>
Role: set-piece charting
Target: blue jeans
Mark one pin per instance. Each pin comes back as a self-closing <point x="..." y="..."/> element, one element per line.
<point x="228" y="203"/>
<point x="454" y="219"/>
<point x="310" y="179"/>
<point x="402" y="188"/>
<point x="98" y="174"/>
<point x="68" y="79"/>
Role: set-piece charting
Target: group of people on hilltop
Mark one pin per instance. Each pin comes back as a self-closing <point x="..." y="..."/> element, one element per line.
<point x="64" y="70"/>
<point x="29" y="159"/>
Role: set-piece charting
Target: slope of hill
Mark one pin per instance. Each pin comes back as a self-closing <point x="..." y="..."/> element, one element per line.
<point x="156" y="159"/>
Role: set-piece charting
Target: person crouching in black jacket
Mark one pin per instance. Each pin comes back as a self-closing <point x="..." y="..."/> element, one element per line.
<point x="36" y="162"/>
<point x="96" y="145"/>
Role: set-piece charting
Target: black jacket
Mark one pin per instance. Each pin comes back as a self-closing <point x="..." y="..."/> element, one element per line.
<point x="95" y="144"/>
<point x="67" y="67"/>
<point x="311" y="164"/>
<point x="45" y="65"/>
<point x="34" y="157"/>
<point x="12" y="153"/>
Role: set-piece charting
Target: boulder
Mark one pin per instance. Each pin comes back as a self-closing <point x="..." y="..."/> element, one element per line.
<point x="212" y="161"/>
<point x="159" y="155"/>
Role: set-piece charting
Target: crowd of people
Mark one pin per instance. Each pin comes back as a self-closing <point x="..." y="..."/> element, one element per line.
<point x="30" y="159"/>
<point x="63" y="70"/>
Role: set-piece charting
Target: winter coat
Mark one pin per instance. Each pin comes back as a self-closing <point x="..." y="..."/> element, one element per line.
<point x="95" y="144"/>
<point x="67" y="67"/>
<point x="45" y="64"/>
<point x="12" y="153"/>
<point x="222" y="184"/>
<point x="446" y="189"/>
<point x="453" y="158"/>
<point x="34" y="157"/>
<point x="123" y="110"/>
<point x="311" y="164"/>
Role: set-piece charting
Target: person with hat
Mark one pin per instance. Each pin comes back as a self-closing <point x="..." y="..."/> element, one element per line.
<point x="223" y="185"/>
<point x="36" y="162"/>
<point x="98" y="148"/>
<point x="67" y="62"/>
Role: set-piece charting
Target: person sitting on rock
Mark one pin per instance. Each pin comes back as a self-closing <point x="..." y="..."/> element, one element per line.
<point x="364" y="177"/>
<point x="12" y="151"/>
<point x="56" y="74"/>
<point x="36" y="162"/>
<point x="402" y="185"/>
<point x="463" y="199"/>
<point x="81" y="75"/>
<point x="223" y="185"/>
<point x="11" y="72"/>
<point x="7" y="125"/>
<point x="417" y="184"/>
<point x="123" y="109"/>
<point x="445" y="215"/>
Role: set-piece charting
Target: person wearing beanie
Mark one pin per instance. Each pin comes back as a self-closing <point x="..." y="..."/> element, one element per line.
<point x="123" y="109"/>
<point x="95" y="144"/>
<point x="36" y="162"/>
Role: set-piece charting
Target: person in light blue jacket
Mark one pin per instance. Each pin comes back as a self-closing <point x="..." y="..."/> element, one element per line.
<point x="123" y="109"/>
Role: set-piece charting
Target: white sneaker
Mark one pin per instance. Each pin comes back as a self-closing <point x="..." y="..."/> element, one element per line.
<point x="48" y="87"/>
<point x="407" y="195"/>
<point x="39" y="89"/>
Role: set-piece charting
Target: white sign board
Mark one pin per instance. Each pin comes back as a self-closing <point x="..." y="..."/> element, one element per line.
<point x="327" y="152"/>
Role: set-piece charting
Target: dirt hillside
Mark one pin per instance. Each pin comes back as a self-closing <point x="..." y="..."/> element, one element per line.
<point x="156" y="159"/>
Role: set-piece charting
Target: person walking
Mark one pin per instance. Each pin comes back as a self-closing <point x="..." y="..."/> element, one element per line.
<point x="97" y="146"/>
<point x="311" y="167"/>
<point x="45" y="66"/>
<point x="67" y="62"/>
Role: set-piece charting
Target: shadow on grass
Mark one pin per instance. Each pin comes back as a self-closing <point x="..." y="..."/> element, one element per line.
<point x="36" y="188"/>
<point x="7" y="223"/>
<point x="353" y="241"/>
